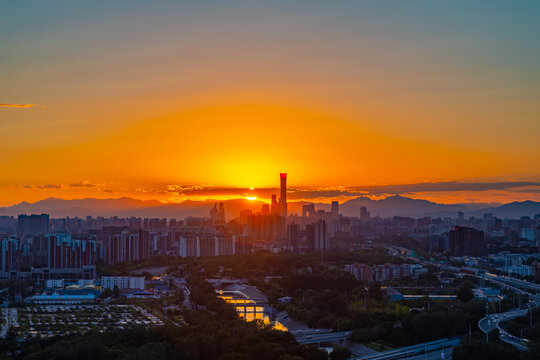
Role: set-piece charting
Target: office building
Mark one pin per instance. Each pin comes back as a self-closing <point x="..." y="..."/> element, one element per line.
<point x="9" y="254"/>
<point x="292" y="235"/>
<point x="321" y="240"/>
<point x="283" y="195"/>
<point x="67" y="253"/>
<point x="334" y="210"/>
<point x="129" y="246"/>
<point x="33" y="224"/>
<point x="465" y="241"/>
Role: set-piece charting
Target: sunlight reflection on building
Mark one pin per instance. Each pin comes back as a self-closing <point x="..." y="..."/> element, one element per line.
<point x="250" y="310"/>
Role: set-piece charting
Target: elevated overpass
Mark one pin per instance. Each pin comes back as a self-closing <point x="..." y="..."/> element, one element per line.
<point x="409" y="351"/>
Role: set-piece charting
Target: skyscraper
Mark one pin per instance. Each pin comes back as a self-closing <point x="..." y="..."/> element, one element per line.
<point x="33" y="224"/>
<point x="283" y="197"/>
<point x="364" y="214"/>
<point x="465" y="241"/>
<point x="8" y="255"/>
<point x="335" y="209"/>
<point x="275" y="206"/>
<point x="292" y="235"/>
<point x="320" y="240"/>
<point x="221" y="212"/>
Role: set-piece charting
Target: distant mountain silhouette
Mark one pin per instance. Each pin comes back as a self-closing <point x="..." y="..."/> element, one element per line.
<point x="511" y="210"/>
<point x="390" y="206"/>
<point x="126" y="207"/>
<point x="400" y="206"/>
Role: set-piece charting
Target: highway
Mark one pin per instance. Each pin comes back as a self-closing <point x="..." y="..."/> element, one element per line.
<point x="445" y="346"/>
<point x="326" y="337"/>
<point x="494" y="321"/>
<point x="516" y="283"/>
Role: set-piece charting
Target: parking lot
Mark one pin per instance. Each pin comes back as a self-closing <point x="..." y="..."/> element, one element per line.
<point x="53" y="320"/>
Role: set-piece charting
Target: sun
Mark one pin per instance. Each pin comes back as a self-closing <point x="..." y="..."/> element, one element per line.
<point x="251" y="198"/>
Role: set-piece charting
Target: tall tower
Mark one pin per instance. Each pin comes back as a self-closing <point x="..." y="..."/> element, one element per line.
<point x="283" y="198"/>
<point x="274" y="209"/>
<point x="335" y="209"/>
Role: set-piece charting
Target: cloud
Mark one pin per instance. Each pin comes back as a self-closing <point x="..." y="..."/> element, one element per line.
<point x="295" y="193"/>
<point x="83" y="184"/>
<point x="49" y="186"/>
<point x="17" y="105"/>
<point x="443" y="186"/>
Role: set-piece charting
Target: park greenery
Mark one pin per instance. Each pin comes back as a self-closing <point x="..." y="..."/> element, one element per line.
<point x="324" y="296"/>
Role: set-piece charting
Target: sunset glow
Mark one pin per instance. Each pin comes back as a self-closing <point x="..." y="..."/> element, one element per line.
<point x="128" y="112"/>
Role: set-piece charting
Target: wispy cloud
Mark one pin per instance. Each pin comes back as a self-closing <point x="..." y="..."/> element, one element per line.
<point x="49" y="186"/>
<point x="296" y="193"/>
<point x="17" y="105"/>
<point x="443" y="186"/>
<point x="83" y="184"/>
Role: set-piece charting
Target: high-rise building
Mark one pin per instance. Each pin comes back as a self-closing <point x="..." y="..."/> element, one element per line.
<point x="266" y="227"/>
<point x="460" y="218"/>
<point x="274" y="208"/>
<point x="364" y="214"/>
<point x="310" y="236"/>
<point x="292" y="235"/>
<point x="308" y="210"/>
<point x="335" y="210"/>
<point x="221" y="212"/>
<point x="33" y="224"/>
<point x="8" y="255"/>
<point x="467" y="241"/>
<point x="67" y="253"/>
<point x="320" y="239"/>
<point x="283" y="195"/>
<point x="217" y="213"/>
<point x="128" y="246"/>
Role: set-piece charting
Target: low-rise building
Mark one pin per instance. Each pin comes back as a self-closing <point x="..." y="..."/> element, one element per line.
<point x="56" y="297"/>
<point x="55" y="284"/>
<point x="123" y="282"/>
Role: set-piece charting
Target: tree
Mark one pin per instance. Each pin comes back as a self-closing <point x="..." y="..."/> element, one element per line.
<point x="340" y="353"/>
<point x="465" y="293"/>
<point x="116" y="291"/>
<point x="106" y="293"/>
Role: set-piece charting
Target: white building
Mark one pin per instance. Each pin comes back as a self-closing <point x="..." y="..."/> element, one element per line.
<point x="55" y="284"/>
<point x="85" y="282"/>
<point x="522" y="270"/>
<point x="123" y="282"/>
<point x="56" y="298"/>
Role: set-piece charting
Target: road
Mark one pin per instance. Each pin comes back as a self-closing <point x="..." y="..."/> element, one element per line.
<point x="326" y="337"/>
<point x="515" y="282"/>
<point x="488" y="324"/>
<point x="494" y="321"/>
<point x="438" y="349"/>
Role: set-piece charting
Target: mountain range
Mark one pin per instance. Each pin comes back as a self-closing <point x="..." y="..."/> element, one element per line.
<point x="390" y="206"/>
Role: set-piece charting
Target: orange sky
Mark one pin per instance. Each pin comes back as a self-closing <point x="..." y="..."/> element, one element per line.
<point x="128" y="102"/>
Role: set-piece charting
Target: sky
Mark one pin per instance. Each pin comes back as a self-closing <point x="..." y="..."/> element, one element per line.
<point x="176" y="100"/>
